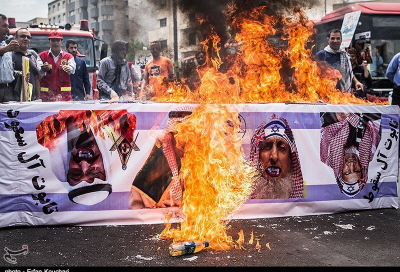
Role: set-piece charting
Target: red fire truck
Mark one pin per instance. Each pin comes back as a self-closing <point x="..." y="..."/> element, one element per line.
<point x="82" y="35"/>
<point x="378" y="28"/>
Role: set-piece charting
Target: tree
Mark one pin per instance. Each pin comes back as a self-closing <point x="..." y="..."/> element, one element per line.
<point x="133" y="47"/>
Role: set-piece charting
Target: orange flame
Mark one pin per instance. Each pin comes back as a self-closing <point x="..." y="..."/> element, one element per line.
<point x="251" y="238"/>
<point x="217" y="179"/>
<point x="50" y="129"/>
<point x="240" y="240"/>
<point x="254" y="73"/>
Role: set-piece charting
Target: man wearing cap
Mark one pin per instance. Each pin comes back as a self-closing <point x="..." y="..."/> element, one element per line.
<point x="274" y="154"/>
<point x="58" y="65"/>
<point x="6" y="64"/>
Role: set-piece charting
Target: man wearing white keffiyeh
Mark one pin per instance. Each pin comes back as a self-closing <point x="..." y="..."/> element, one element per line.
<point x="274" y="154"/>
<point x="339" y="59"/>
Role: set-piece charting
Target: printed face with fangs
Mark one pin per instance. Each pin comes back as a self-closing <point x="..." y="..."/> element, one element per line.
<point x="86" y="161"/>
<point x="274" y="157"/>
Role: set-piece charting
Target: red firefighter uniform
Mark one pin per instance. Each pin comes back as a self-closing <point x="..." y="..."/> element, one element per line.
<point x="56" y="85"/>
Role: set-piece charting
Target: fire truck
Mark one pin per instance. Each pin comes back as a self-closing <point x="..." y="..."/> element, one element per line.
<point x="81" y="34"/>
<point x="378" y="28"/>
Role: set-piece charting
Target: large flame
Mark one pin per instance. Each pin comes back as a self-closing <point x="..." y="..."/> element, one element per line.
<point x="256" y="73"/>
<point x="216" y="178"/>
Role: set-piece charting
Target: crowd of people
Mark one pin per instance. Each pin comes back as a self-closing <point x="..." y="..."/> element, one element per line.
<point x="357" y="66"/>
<point x="60" y="74"/>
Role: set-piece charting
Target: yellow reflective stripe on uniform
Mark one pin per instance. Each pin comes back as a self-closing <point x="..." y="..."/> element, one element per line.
<point x="43" y="89"/>
<point x="65" y="89"/>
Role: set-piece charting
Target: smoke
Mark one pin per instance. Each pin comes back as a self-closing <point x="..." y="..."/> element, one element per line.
<point x="211" y="10"/>
<point x="141" y="19"/>
<point x="215" y="12"/>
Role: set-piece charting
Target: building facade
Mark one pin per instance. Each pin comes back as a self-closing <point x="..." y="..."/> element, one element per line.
<point x="150" y="20"/>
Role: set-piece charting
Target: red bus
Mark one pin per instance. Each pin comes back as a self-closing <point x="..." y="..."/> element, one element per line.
<point x="82" y="35"/>
<point x="378" y="27"/>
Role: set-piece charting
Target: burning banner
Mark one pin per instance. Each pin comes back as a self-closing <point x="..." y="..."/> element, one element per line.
<point x="77" y="143"/>
<point x="191" y="165"/>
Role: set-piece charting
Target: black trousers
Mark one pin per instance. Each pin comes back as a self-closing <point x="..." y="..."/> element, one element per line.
<point x="7" y="93"/>
<point x="396" y="96"/>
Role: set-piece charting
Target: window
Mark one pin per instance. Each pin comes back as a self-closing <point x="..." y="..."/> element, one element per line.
<point x="163" y="3"/>
<point x="192" y="38"/>
<point x="163" y="44"/>
<point x="163" y="22"/>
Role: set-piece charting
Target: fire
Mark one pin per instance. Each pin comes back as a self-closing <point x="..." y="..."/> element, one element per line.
<point x="265" y="69"/>
<point x="217" y="179"/>
<point x="50" y="129"/>
<point x="251" y="238"/>
<point x="240" y="240"/>
<point x="272" y="64"/>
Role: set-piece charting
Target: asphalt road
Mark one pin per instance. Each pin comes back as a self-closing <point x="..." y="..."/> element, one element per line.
<point x="367" y="238"/>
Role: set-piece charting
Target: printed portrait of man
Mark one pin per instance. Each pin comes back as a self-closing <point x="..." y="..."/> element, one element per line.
<point x="157" y="184"/>
<point x="348" y="144"/>
<point x="80" y="144"/>
<point x="274" y="153"/>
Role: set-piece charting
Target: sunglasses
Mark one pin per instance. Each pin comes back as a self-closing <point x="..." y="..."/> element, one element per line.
<point x="55" y="40"/>
<point x="25" y="37"/>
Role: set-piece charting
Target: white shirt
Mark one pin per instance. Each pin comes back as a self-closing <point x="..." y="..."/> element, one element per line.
<point x="6" y="66"/>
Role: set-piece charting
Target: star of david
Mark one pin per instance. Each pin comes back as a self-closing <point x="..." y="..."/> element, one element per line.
<point x="275" y="128"/>
<point x="350" y="188"/>
<point x="124" y="149"/>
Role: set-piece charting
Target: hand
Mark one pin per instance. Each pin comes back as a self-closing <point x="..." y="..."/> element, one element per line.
<point x="365" y="64"/>
<point x="66" y="68"/>
<point x="12" y="46"/>
<point x="46" y="67"/>
<point x="88" y="97"/>
<point x="141" y="95"/>
<point x="359" y="86"/>
<point x="113" y="96"/>
<point x="27" y="77"/>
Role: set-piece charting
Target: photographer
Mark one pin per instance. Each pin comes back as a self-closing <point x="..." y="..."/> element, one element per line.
<point x="362" y="74"/>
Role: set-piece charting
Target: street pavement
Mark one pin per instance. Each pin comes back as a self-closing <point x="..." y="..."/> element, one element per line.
<point x="365" y="238"/>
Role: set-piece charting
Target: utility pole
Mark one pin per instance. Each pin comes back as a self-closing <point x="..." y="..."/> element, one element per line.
<point x="174" y="11"/>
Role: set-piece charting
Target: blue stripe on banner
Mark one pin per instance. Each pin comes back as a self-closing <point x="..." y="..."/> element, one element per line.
<point x="390" y="121"/>
<point x="331" y="192"/>
<point x="61" y="203"/>
<point x="29" y="120"/>
<point x="147" y="120"/>
<point x="296" y="120"/>
<point x="121" y="200"/>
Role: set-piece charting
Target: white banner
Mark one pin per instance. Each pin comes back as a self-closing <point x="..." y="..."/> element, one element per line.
<point x="107" y="164"/>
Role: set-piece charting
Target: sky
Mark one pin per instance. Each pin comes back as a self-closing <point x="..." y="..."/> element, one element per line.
<point x="24" y="10"/>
